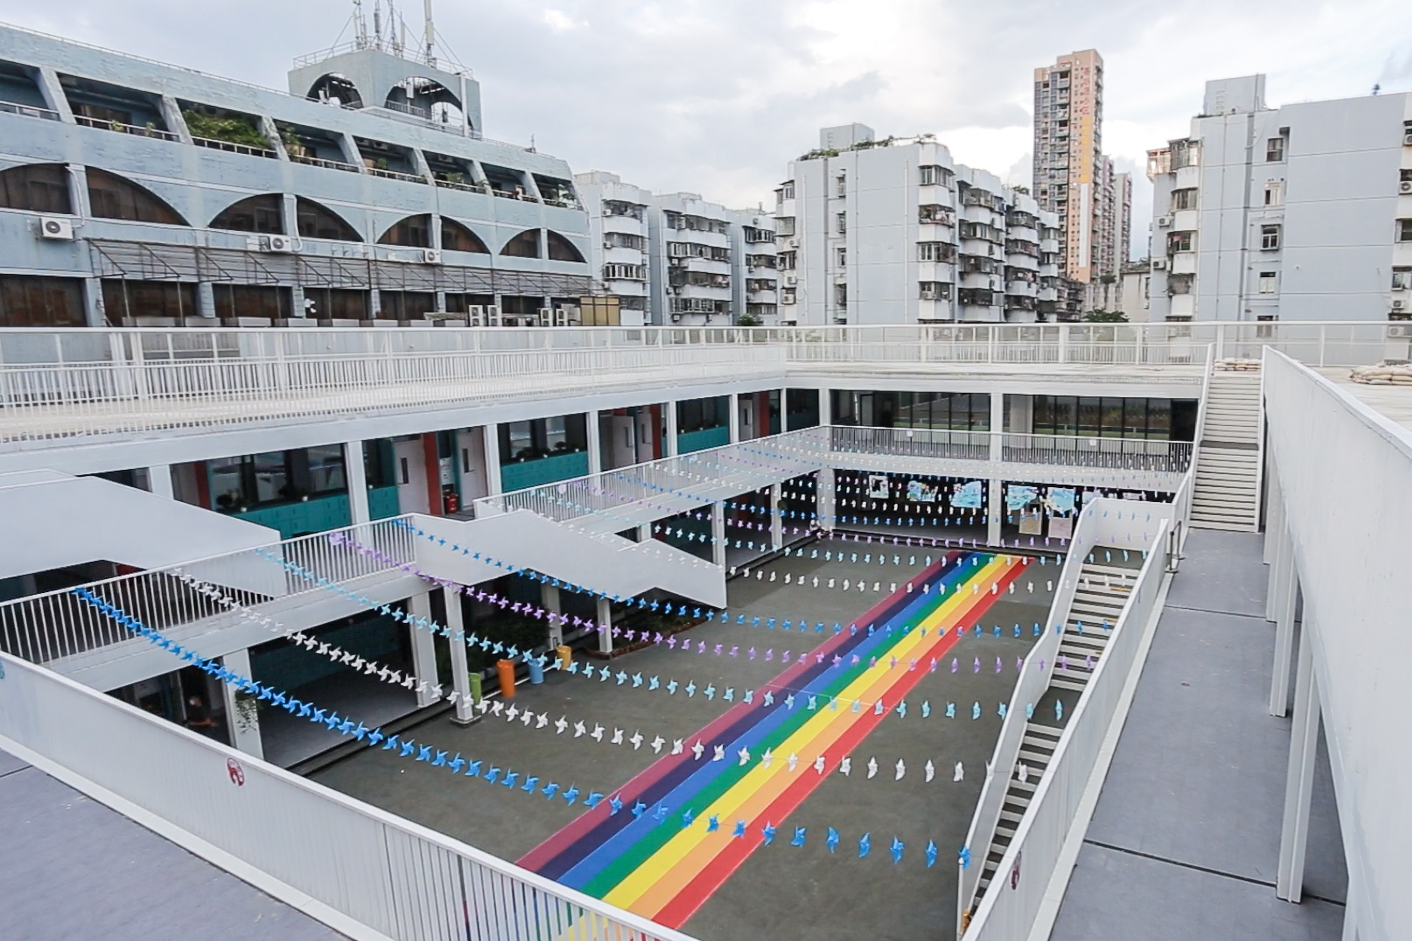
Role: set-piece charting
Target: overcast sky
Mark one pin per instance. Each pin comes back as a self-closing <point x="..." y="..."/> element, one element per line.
<point x="715" y="96"/>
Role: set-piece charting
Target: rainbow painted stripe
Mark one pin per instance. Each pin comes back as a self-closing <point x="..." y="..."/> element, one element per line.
<point x="654" y="865"/>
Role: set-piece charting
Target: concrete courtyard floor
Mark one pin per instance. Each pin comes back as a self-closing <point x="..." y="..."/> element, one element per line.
<point x="804" y="893"/>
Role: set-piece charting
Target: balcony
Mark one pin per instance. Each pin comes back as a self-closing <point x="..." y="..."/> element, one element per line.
<point x="120" y="128"/>
<point x="321" y="162"/>
<point x="231" y="148"/>
<point x="28" y="111"/>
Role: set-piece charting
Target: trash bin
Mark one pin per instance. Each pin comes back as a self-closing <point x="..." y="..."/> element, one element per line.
<point x="476" y="694"/>
<point x="505" y="670"/>
<point x="566" y="656"/>
<point x="536" y="670"/>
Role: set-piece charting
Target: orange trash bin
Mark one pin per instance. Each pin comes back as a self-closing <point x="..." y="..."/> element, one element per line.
<point x="505" y="669"/>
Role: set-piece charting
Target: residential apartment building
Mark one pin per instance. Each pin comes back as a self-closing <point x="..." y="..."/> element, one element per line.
<point x="1302" y="212"/>
<point x="894" y="231"/>
<point x="138" y="193"/>
<point x="618" y="241"/>
<point x="709" y="264"/>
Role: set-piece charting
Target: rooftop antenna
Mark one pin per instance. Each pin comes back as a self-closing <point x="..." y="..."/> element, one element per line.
<point x="431" y="36"/>
<point x="360" y="24"/>
<point x="377" y="24"/>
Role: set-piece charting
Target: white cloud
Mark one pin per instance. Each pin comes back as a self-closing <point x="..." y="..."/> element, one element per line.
<point x="559" y="21"/>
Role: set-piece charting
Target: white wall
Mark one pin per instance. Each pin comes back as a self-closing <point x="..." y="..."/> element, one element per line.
<point x="1346" y="475"/>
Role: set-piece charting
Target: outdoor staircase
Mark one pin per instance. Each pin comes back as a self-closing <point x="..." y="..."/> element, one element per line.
<point x="1099" y="598"/>
<point x="1227" y="494"/>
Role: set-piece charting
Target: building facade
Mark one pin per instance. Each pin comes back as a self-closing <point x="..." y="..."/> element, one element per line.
<point x="618" y="241"/>
<point x="894" y="231"/>
<point x="137" y="193"/>
<point x="1302" y="212"/>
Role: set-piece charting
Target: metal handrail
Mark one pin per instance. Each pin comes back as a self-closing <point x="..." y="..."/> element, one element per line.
<point x="28" y="111"/>
<point x="121" y="128"/>
<point x="235" y="148"/>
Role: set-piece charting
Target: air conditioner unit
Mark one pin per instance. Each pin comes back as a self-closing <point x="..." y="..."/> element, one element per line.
<point x="1400" y="330"/>
<point x="282" y="244"/>
<point x="431" y="256"/>
<point x="791" y="279"/>
<point x="1158" y="264"/>
<point x="791" y="243"/>
<point x="53" y="227"/>
<point x="1399" y="305"/>
<point x="1164" y="221"/>
<point x="1407" y="137"/>
<point x="1405" y="187"/>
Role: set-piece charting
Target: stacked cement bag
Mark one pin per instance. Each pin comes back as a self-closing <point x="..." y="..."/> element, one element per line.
<point x="1385" y="375"/>
<point x="1239" y="365"/>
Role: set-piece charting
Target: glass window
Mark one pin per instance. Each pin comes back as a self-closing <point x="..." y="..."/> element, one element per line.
<point x="326" y="469"/>
<point x="113" y="197"/>
<point x="1111" y="417"/>
<point x="1090" y="409"/>
<point x="556" y="437"/>
<point x="1066" y="415"/>
<point x="226" y="485"/>
<point x="521" y="441"/>
<point x="271" y="477"/>
<point x="1159" y="419"/>
<point x="27" y="301"/>
<point x="1134" y="418"/>
<point x="262" y="213"/>
<point x="1043" y="420"/>
<point x="36" y="188"/>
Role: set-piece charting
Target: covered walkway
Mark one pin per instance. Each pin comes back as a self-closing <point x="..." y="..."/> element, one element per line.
<point x="1185" y="839"/>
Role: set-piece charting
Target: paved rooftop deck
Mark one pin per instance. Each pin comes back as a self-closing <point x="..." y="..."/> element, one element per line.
<point x="1184" y="842"/>
<point x="72" y="868"/>
<point x="1392" y="402"/>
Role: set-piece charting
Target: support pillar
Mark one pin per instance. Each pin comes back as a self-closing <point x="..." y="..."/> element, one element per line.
<point x="1279" y="548"/>
<point x="595" y="443"/>
<point x="644" y="532"/>
<point x="206" y="301"/>
<point x="776" y="520"/>
<point x="995" y="507"/>
<point x="549" y="600"/>
<point x="825" y="407"/>
<point x="159" y="482"/>
<point x="423" y="650"/>
<point x="605" y="619"/>
<point x="355" y="472"/>
<point x="733" y="417"/>
<point x="242" y="717"/>
<point x="669" y="409"/>
<point x="1299" y="783"/>
<point x="997" y="426"/>
<point x="824" y="500"/>
<point x="1284" y="579"/>
<point x="1274" y="510"/>
<point x="718" y="533"/>
<point x="460" y="674"/>
<point x="490" y="438"/>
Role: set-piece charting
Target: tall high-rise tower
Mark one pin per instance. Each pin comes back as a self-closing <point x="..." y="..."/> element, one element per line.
<point x="1068" y="160"/>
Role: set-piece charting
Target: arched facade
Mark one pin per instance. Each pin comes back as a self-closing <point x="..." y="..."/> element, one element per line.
<point x="524" y="245"/>
<point x="263" y="213"/>
<point x="36" y="187"/>
<point x="561" y="249"/>
<point x="317" y="221"/>
<point x="114" y="197"/>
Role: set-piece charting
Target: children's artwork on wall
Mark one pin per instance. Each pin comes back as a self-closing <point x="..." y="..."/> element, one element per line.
<point x="1061" y="500"/>
<point x="878" y="487"/>
<point x="919" y="492"/>
<point x="968" y="496"/>
<point x="1019" y="496"/>
<point x="1061" y="527"/>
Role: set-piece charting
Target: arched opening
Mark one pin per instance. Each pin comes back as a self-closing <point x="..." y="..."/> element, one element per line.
<point x="413" y="231"/>
<point x="425" y="98"/>
<point x="263" y="213"/>
<point x="524" y="245"/>
<point x="37" y="187"/>
<point x="561" y="249"/>
<point x="336" y="89"/>
<point x="113" y="197"/>
<point x="319" y="222"/>
<point x="457" y="238"/>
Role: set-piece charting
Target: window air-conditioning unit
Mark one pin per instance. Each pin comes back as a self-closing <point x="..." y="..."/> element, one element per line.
<point x="1399" y="305"/>
<point x="1400" y="330"/>
<point x="1164" y="221"/>
<point x="281" y="244"/>
<point x="1405" y="187"/>
<point x="1407" y="137"/>
<point x="791" y="279"/>
<point x="791" y="243"/>
<point x="1158" y="264"/>
<point x="431" y="256"/>
<point x="53" y="227"/>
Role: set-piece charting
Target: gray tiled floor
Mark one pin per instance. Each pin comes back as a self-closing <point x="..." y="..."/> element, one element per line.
<point x="72" y="868"/>
<point x="1184" y="842"/>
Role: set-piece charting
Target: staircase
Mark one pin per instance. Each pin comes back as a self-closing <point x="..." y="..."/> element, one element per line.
<point x="1227" y="494"/>
<point x="1102" y="591"/>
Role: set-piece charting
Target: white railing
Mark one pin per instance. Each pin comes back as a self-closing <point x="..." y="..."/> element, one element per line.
<point x="47" y="402"/>
<point x="1142" y="454"/>
<point x="912" y="442"/>
<point x="353" y="866"/>
<point x="47" y="627"/>
<point x="1008" y="909"/>
<point x="1029" y="688"/>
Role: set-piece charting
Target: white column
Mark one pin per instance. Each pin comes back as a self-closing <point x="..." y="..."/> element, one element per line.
<point x="718" y="533"/>
<point x="669" y="411"/>
<point x="995" y="507"/>
<point x="159" y="481"/>
<point x="733" y="416"/>
<point x="825" y="500"/>
<point x="460" y="674"/>
<point x="595" y="444"/>
<point x="490" y="438"/>
<point x="776" y="520"/>
<point x="242" y="717"/>
<point x="423" y="649"/>
<point x="605" y="616"/>
<point x="1299" y="783"/>
<point x="355" y="472"/>
<point x="825" y="407"/>
<point x="1281" y="559"/>
<point x="549" y="598"/>
<point x="997" y="425"/>
<point x="1274" y="509"/>
<point x="1285" y="582"/>
<point x="644" y="532"/>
